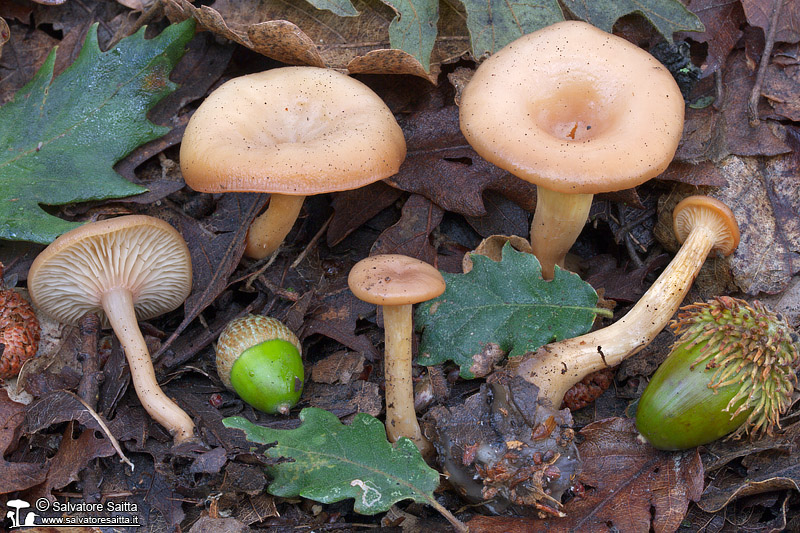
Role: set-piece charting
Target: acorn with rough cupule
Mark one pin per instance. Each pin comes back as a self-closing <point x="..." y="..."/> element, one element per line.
<point x="731" y="371"/>
<point x="260" y="359"/>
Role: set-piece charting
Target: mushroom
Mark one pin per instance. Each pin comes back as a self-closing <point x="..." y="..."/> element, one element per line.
<point x="124" y="269"/>
<point x="396" y="282"/>
<point x="703" y="225"/>
<point x="292" y="132"/>
<point x="577" y="111"/>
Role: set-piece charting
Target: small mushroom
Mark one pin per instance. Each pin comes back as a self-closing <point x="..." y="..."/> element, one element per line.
<point x="577" y="111"/>
<point x="124" y="269"/>
<point x="703" y="225"/>
<point x="292" y="132"/>
<point x="396" y="282"/>
<point x="259" y="358"/>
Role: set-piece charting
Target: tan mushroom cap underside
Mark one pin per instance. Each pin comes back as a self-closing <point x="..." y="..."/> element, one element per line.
<point x="291" y="130"/>
<point x="711" y="211"/>
<point x="574" y="109"/>
<point x="393" y="279"/>
<point x="142" y="253"/>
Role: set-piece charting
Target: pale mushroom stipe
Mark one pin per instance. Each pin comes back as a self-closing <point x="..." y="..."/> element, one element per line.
<point x="292" y="132"/>
<point x="576" y="111"/>
<point x="396" y="282"/>
<point x="124" y="269"/>
<point x="703" y="225"/>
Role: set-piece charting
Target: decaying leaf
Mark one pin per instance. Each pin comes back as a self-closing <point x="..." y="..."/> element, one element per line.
<point x="764" y="195"/>
<point x="444" y="168"/>
<point x="722" y="21"/>
<point x="15" y="476"/>
<point x="411" y="235"/>
<point x="759" y="13"/>
<point x="354" y="208"/>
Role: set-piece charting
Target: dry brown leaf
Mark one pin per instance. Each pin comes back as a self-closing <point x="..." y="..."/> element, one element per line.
<point x="709" y="134"/>
<point x="298" y="34"/>
<point x="782" y="89"/>
<point x="625" y="478"/>
<point x="766" y="472"/>
<point x="411" y="235"/>
<point x="443" y="167"/>
<point x="759" y="13"/>
<point x="356" y="207"/>
<point x="15" y="476"/>
<point x="722" y="19"/>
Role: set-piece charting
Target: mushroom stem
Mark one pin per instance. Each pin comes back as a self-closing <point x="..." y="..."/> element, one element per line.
<point x="556" y="367"/>
<point x="401" y="419"/>
<point x="268" y="231"/>
<point x="118" y="306"/>
<point x="557" y="222"/>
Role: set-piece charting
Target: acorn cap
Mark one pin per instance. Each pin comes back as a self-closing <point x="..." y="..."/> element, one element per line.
<point x="394" y="279"/>
<point x="142" y="253"/>
<point x="693" y="209"/>
<point x="575" y="110"/>
<point x="291" y="130"/>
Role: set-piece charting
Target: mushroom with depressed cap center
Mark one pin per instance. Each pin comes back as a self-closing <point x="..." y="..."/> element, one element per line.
<point x="577" y="111"/>
<point x="124" y="269"/>
<point x="396" y="282"/>
<point x="292" y="132"/>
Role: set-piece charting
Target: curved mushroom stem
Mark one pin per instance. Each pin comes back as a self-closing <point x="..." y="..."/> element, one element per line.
<point x="556" y="367"/>
<point x="557" y="222"/>
<point x="401" y="419"/>
<point x="268" y="231"/>
<point x="118" y="306"/>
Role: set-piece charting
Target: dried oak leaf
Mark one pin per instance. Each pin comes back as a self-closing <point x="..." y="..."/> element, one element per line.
<point x="709" y="134"/>
<point x="630" y="486"/>
<point x="298" y="34"/>
<point x="353" y="208"/>
<point x="444" y="168"/>
<point x="411" y="235"/>
<point x="759" y="13"/>
<point x="72" y="456"/>
<point x="15" y="476"/>
<point x="766" y="472"/>
<point x="782" y="87"/>
<point x="722" y="19"/>
<point x="764" y="195"/>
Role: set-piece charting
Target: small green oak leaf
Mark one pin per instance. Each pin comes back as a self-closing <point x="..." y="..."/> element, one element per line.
<point x="414" y="29"/>
<point x="60" y="138"/>
<point x="506" y="303"/>
<point x="331" y="462"/>
<point x="668" y="16"/>
<point x="342" y="8"/>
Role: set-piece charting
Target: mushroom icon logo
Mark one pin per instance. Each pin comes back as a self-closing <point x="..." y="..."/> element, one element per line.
<point x="17" y="505"/>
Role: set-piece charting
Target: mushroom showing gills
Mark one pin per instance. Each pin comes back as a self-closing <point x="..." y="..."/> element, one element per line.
<point x="577" y="111"/>
<point x="703" y="225"/>
<point x="124" y="269"/>
<point x="396" y="282"/>
<point x="292" y="132"/>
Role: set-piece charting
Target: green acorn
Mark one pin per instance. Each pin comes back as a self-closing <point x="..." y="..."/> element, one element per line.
<point x="732" y="370"/>
<point x="259" y="358"/>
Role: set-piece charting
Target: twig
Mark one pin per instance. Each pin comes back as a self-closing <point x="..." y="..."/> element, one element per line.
<point x="755" y="94"/>
<point x="104" y="427"/>
<point x="89" y="390"/>
<point x="627" y="238"/>
<point x="311" y="243"/>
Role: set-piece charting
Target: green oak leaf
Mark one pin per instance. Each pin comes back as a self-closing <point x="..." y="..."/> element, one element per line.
<point x="414" y="28"/>
<point x="341" y="8"/>
<point x="492" y="24"/>
<point x="506" y="303"/>
<point x="668" y="16"/>
<point x="331" y="462"/>
<point x="60" y="138"/>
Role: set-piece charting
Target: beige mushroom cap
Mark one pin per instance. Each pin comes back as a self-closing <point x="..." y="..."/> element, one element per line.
<point x="291" y="130"/>
<point x="142" y="253"/>
<point x="393" y="279"/>
<point x="712" y="212"/>
<point x="574" y="109"/>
